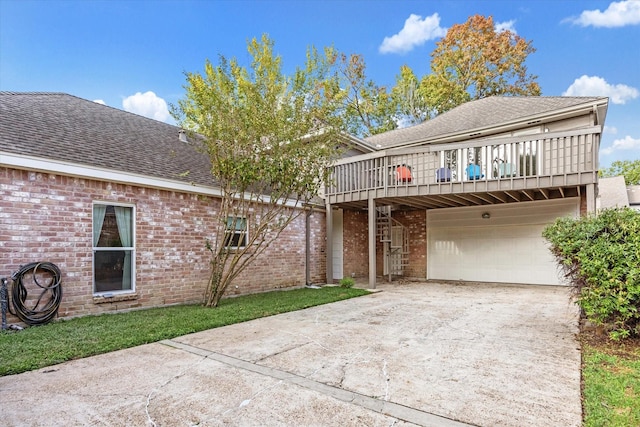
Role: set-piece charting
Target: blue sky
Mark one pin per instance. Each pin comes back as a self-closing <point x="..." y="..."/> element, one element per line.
<point x="133" y="54"/>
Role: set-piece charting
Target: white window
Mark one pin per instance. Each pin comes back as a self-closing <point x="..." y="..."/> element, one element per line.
<point x="235" y="233"/>
<point x="113" y="248"/>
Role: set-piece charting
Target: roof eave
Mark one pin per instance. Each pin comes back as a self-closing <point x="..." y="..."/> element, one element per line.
<point x="359" y="142"/>
<point x="599" y="106"/>
<point x="85" y="171"/>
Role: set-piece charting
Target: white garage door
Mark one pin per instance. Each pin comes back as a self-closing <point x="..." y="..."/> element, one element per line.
<point x="507" y="247"/>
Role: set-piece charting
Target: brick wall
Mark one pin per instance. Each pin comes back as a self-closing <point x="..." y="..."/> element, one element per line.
<point x="355" y="243"/>
<point x="47" y="217"/>
<point x="356" y="256"/>
<point x="318" y="244"/>
<point x="284" y="263"/>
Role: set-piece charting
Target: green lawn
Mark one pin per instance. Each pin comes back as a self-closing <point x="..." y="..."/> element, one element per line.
<point x="63" y="340"/>
<point x="611" y="382"/>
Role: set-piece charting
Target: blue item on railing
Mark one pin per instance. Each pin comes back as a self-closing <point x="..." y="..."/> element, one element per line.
<point x="474" y="172"/>
<point x="506" y="170"/>
<point x="443" y="175"/>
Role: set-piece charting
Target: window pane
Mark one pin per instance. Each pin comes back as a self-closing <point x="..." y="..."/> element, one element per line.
<point x="123" y="220"/>
<point x="112" y="231"/>
<point x="235" y="234"/>
<point x="112" y="270"/>
<point x="109" y="235"/>
<point x="240" y="223"/>
<point x="235" y="240"/>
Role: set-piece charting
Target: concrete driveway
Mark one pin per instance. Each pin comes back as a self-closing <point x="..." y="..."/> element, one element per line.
<point x="414" y="354"/>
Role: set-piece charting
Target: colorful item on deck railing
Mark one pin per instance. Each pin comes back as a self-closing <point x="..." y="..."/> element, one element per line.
<point x="403" y="173"/>
<point x="443" y="175"/>
<point x="474" y="172"/>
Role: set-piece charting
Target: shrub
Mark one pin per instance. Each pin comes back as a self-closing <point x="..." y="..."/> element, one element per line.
<point x="347" y="282"/>
<point x="600" y="255"/>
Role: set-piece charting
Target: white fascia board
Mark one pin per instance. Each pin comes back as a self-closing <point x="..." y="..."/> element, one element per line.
<point x="345" y="136"/>
<point x="359" y="157"/>
<point x="102" y="174"/>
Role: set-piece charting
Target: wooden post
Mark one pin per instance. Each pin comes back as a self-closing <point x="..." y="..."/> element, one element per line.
<point x="372" y="242"/>
<point x="591" y="198"/>
<point x="307" y="245"/>
<point x="329" y="244"/>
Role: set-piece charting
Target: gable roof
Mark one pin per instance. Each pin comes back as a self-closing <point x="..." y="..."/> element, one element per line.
<point x="483" y="117"/>
<point x="612" y="192"/>
<point x="63" y="128"/>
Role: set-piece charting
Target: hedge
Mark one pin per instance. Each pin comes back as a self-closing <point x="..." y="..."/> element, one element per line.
<point x="600" y="256"/>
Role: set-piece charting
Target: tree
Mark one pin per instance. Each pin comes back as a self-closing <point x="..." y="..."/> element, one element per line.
<point x="475" y="61"/>
<point x="411" y="105"/>
<point x="269" y="138"/>
<point x="368" y="109"/>
<point x="630" y="169"/>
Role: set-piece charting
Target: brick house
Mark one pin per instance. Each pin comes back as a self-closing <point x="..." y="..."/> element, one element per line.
<point x="103" y="194"/>
<point x="461" y="197"/>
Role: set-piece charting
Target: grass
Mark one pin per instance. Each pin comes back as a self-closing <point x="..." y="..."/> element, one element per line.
<point x="63" y="340"/>
<point x="611" y="381"/>
<point x="610" y="373"/>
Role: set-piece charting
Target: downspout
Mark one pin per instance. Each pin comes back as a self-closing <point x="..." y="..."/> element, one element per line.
<point x="307" y="247"/>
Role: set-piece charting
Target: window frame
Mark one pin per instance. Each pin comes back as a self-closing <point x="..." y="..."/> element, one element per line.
<point x="131" y="249"/>
<point x="228" y="233"/>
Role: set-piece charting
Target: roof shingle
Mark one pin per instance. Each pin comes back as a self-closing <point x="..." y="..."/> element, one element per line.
<point x="476" y="115"/>
<point x="66" y="128"/>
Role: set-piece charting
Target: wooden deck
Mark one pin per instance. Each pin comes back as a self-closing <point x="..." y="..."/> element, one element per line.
<point x="488" y="171"/>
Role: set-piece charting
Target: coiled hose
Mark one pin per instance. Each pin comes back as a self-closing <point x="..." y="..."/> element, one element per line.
<point x="52" y="289"/>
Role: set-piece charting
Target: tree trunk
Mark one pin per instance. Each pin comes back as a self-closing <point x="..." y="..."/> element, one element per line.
<point x="218" y="282"/>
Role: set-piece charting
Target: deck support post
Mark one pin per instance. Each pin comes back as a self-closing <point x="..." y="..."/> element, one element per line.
<point x="591" y="198"/>
<point x="329" y="244"/>
<point x="372" y="242"/>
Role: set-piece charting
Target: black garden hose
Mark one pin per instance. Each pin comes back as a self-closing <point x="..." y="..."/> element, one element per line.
<point x="53" y="290"/>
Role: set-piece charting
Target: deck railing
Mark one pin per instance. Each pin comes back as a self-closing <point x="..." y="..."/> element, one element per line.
<point x="567" y="153"/>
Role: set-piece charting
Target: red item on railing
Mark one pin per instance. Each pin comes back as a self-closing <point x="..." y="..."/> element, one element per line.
<point x="403" y="173"/>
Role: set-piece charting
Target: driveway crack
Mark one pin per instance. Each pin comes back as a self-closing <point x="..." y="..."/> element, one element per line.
<point x="391" y="409"/>
<point x="164" y="384"/>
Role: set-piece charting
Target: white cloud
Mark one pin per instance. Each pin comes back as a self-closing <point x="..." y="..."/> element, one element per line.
<point x="415" y="32"/>
<point x="506" y="26"/>
<point x="99" y="101"/>
<point x="147" y="104"/>
<point x="610" y="130"/>
<point x="627" y="143"/>
<point x="597" y="86"/>
<point x="618" y="14"/>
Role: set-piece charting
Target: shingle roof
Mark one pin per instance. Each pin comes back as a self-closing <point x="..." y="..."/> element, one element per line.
<point x="66" y="128"/>
<point x="612" y="192"/>
<point x="476" y="115"/>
